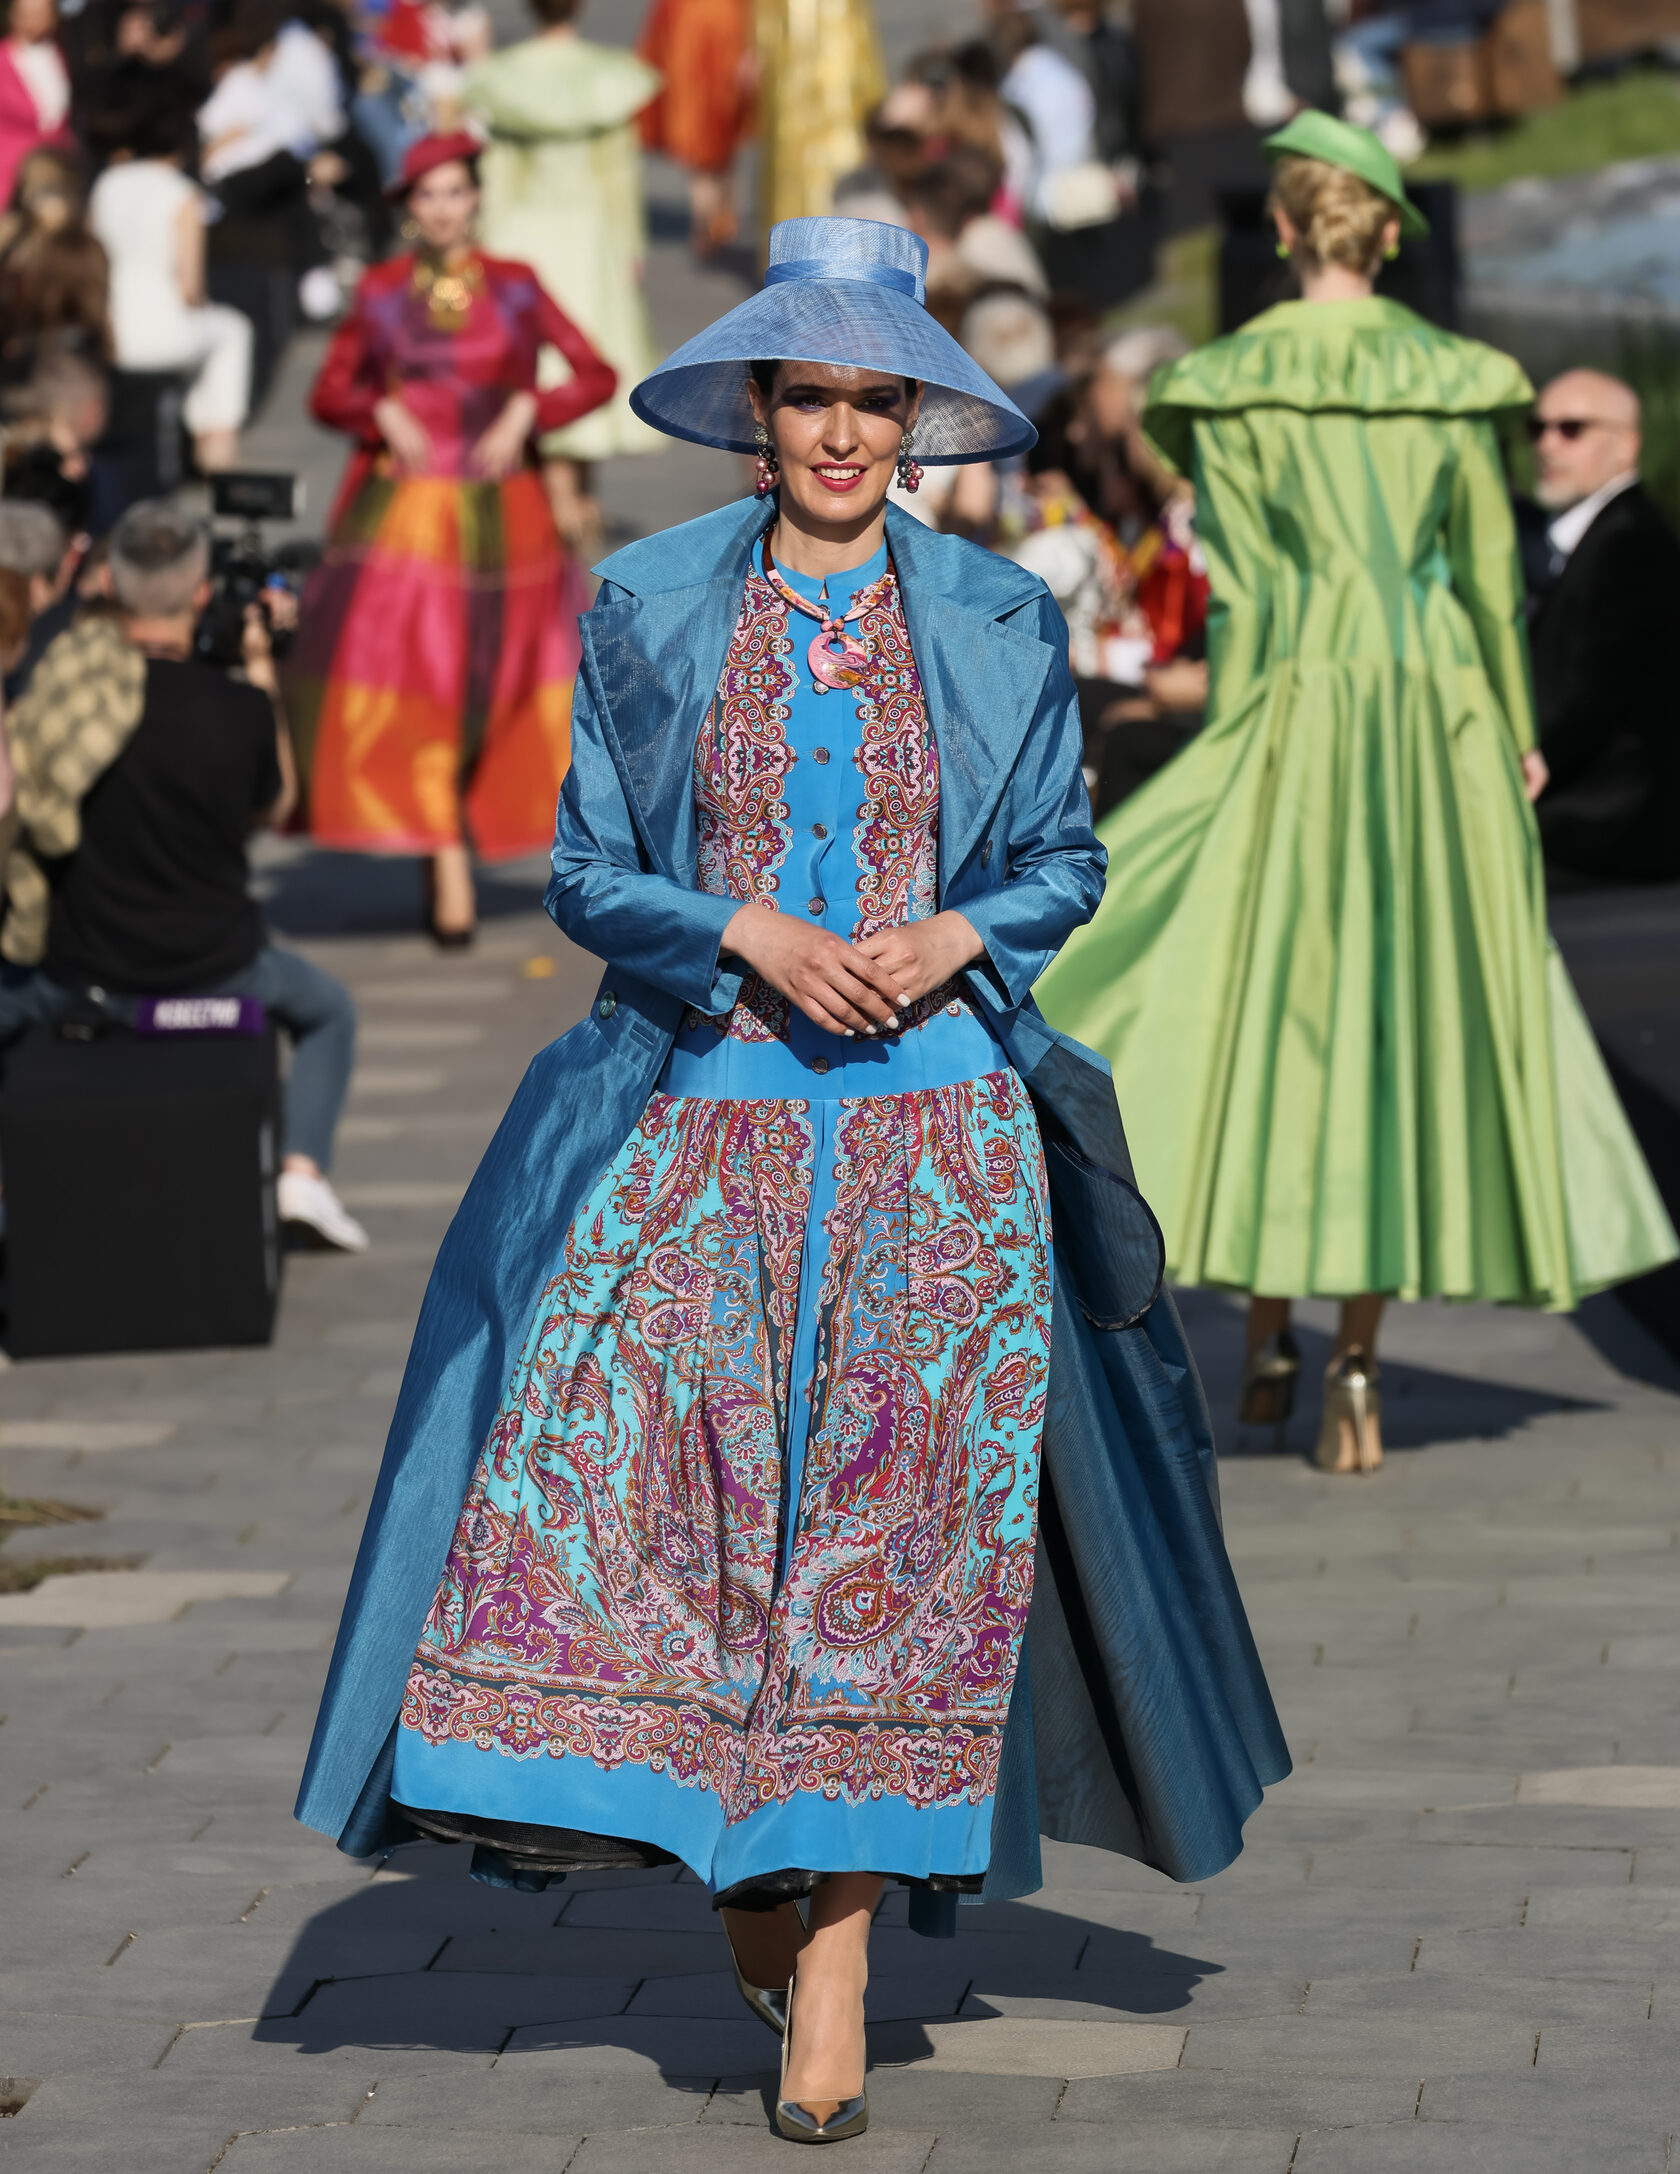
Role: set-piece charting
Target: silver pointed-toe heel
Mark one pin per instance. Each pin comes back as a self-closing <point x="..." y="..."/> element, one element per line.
<point x="795" y="2122"/>
<point x="767" y="2002"/>
<point x="1352" y="1399"/>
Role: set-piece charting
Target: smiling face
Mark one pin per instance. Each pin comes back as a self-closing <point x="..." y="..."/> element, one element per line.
<point x="836" y="433"/>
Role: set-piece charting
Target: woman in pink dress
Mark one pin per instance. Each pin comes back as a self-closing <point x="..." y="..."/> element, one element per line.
<point x="34" y="85"/>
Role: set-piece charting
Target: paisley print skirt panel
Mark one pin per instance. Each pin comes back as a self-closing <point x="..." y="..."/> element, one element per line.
<point x="745" y="1564"/>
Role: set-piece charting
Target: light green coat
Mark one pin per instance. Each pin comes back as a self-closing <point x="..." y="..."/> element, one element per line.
<point x="563" y="193"/>
<point x="1350" y="1059"/>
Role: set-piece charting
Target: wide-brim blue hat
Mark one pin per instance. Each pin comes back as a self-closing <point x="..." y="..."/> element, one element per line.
<point x="852" y="293"/>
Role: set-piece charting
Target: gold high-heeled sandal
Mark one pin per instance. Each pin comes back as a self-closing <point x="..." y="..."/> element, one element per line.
<point x="768" y="2002"/>
<point x="796" y="2122"/>
<point x="1351" y="1399"/>
<point x="1267" y="1396"/>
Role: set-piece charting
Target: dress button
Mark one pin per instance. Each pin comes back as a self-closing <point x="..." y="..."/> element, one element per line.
<point x="819" y="830"/>
<point x="608" y="1004"/>
<point x="819" y="1064"/>
<point x="817" y="905"/>
<point x="819" y="755"/>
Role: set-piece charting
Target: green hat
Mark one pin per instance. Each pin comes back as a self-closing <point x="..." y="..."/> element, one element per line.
<point x="1314" y="135"/>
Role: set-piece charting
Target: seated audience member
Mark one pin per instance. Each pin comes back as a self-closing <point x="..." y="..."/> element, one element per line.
<point x="51" y="427"/>
<point x="139" y="774"/>
<point x="1601" y="635"/>
<point x="151" y="217"/>
<point x="36" y="549"/>
<point x="53" y="274"/>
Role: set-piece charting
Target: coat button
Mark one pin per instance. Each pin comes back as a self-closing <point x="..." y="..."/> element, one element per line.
<point x="817" y="904"/>
<point x="819" y="755"/>
<point x="608" y="1004"/>
<point x="819" y="830"/>
<point x="985" y="852"/>
<point x="819" y="1064"/>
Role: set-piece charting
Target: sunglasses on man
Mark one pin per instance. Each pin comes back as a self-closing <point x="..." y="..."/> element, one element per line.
<point x="1568" y="427"/>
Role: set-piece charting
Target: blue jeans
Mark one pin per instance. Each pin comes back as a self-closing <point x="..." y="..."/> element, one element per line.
<point x="315" y="1011"/>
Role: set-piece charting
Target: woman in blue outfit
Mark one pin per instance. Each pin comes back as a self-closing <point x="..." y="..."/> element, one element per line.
<point x="796" y="1363"/>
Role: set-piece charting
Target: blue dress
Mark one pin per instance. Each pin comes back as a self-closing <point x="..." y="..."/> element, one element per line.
<point x="744" y="1568"/>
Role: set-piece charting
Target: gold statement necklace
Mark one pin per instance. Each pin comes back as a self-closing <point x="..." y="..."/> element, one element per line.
<point x="448" y="294"/>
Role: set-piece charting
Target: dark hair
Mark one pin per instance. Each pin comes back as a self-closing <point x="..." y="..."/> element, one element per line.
<point x="763" y="375"/>
<point x="953" y="190"/>
<point x="156" y="120"/>
<point x="554" y="12"/>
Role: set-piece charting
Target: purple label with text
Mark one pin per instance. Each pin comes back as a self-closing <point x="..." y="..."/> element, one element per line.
<point x="198" y="1015"/>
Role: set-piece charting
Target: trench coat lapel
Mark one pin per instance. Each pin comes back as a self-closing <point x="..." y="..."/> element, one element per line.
<point x="981" y="683"/>
<point x="651" y="663"/>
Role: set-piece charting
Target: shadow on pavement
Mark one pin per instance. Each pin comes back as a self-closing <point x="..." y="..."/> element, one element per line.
<point x="1422" y="1406"/>
<point x="632" y="1967"/>
<point x="309" y="892"/>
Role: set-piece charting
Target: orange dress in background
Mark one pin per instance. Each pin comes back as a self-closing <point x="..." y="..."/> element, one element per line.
<point x="430" y="686"/>
<point x="704" y="111"/>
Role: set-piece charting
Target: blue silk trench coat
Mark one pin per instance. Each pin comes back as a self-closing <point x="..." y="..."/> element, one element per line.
<point x="1143" y="1724"/>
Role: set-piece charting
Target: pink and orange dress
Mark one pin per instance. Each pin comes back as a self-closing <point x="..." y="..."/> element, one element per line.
<point x="430" y="688"/>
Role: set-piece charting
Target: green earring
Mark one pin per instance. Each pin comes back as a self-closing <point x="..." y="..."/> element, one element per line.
<point x="1283" y="251"/>
<point x="1392" y="251"/>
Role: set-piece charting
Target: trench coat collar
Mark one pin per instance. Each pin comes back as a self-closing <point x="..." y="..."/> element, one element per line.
<point x="654" y="652"/>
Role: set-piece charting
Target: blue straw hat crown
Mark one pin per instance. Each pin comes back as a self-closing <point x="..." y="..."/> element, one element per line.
<point x="851" y="293"/>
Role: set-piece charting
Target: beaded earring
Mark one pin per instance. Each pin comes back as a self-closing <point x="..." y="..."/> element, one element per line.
<point x="1391" y="252"/>
<point x="1282" y="249"/>
<point x="768" y="465"/>
<point x="909" y="474"/>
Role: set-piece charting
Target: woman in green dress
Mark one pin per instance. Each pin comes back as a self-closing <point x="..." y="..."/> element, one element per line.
<point x="1351" y="1062"/>
<point x="563" y="193"/>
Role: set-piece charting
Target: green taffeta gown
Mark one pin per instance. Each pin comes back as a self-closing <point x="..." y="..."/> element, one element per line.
<point x="1349" y="1055"/>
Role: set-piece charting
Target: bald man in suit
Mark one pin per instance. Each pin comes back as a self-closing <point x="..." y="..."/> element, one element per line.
<point x="1603" y="636"/>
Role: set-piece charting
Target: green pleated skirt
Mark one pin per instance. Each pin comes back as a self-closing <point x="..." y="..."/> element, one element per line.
<point x="1347" y="1052"/>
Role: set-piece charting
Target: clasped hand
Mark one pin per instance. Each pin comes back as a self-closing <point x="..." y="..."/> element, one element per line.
<point x="851" y="989"/>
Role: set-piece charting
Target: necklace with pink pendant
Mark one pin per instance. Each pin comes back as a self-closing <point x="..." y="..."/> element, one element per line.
<point x="847" y="666"/>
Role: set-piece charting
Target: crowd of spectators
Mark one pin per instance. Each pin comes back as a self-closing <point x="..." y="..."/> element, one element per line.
<point x="182" y="183"/>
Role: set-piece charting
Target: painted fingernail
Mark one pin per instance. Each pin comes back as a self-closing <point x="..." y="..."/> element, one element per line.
<point x="851" y="1034"/>
<point x="892" y="1019"/>
<point x="904" y="996"/>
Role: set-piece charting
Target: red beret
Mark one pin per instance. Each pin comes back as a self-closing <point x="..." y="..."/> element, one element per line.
<point x="432" y="151"/>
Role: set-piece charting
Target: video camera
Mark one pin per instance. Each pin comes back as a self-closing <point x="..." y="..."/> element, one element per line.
<point x="243" y="570"/>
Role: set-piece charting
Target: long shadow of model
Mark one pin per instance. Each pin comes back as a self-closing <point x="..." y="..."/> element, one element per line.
<point x="422" y="1958"/>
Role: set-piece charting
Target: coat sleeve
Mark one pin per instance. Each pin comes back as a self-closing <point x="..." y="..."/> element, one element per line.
<point x="346" y="392"/>
<point x="1053" y="868"/>
<point x="1231" y="529"/>
<point x="1481" y="546"/>
<point x="604" y="896"/>
<point x="592" y="382"/>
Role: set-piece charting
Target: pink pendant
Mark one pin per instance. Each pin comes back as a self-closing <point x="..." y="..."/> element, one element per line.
<point x="828" y="670"/>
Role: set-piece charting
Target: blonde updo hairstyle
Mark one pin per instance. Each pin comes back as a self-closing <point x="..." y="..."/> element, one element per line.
<point x="1339" y="218"/>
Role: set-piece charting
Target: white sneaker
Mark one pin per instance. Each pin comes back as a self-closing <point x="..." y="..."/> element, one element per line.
<point x="312" y="1202"/>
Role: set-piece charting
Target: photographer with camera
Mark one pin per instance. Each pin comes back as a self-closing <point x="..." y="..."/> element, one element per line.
<point x="140" y="773"/>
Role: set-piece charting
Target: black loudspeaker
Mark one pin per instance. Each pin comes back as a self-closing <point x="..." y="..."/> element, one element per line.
<point x="1425" y="275"/>
<point x="140" y="1180"/>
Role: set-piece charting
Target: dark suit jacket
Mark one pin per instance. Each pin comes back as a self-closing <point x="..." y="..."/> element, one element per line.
<point x="1603" y="637"/>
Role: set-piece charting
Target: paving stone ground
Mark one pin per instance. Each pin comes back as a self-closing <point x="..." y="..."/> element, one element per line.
<point x="1449" y="1945"/>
